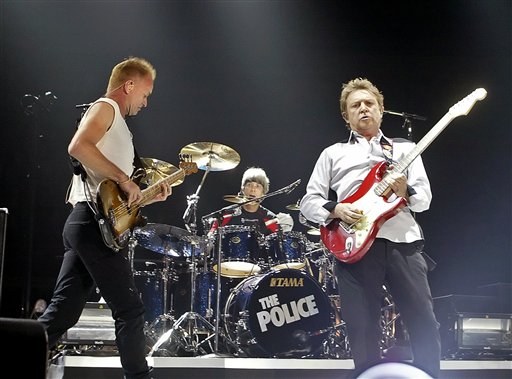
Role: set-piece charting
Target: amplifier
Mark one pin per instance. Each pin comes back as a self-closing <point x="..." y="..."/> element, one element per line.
<point x="478" y="335"/>
<point x="94" y="327"/>
<point x="470" y="327"/>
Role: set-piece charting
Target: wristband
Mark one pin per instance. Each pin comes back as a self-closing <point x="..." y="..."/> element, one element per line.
<point x="126" y="181"/>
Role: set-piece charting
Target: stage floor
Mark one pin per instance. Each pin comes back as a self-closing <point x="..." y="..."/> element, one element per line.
<point x="217" y="367"/>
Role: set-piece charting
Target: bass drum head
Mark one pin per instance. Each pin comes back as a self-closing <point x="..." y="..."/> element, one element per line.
<point x="283" y="313"/>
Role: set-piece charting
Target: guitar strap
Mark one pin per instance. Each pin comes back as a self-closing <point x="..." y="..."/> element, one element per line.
<point x="139" y="172"/>
<point x="387" y="149"/>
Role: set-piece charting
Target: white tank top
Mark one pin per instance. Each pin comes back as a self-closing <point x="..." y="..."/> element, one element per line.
<point x="116" y="145"/>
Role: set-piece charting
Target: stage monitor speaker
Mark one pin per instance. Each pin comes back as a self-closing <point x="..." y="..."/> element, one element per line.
<point x="94" y="327"/>
<point x="471" y="327"/>
<point x="24" y="339"/>
<point x="3" y="230"/>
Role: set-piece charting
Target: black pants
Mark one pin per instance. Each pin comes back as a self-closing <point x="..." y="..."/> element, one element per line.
<point x="88" y="263"/>
<point x="403" y="269"/>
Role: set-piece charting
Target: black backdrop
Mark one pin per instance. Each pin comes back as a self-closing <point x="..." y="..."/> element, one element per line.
<point x="264" y="78"/>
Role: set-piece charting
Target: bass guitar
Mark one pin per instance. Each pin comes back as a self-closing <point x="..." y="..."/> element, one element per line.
<point x="350" y="242"/>
<point x="116" y="219"/>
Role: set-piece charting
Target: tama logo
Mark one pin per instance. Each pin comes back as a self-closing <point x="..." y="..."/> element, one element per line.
<point x="287" y="282"/>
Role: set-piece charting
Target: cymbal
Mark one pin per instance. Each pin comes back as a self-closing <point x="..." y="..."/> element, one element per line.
<point x="313" y="232"/>
<point x="236" y="199"/>
<point x="294" y="207"/>
<point x="212" y="155"/>
<point x="157" y="170"/>
<point x="164" y="239"/>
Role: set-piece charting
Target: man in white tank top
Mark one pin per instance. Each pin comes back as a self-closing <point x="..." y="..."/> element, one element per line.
<point x="103" y="145"/>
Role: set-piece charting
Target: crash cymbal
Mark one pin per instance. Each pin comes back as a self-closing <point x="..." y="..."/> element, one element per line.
<point x="157" y="170"/>
<point x="164" y="239"/>
<point x="313" y="232"/>
<point x="211" y="155"/>
<point x="236" y="199"/>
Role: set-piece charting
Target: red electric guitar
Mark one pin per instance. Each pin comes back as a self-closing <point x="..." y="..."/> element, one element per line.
<point x="349" y="243"/>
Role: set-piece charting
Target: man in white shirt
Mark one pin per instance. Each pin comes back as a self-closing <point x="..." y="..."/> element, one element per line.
<point x="394" y="257"/>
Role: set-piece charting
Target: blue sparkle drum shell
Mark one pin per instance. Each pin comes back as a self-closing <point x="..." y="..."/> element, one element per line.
<point x="286" y="250"/>
<point x="282" y="313"/>
<point x="241" y="254"/>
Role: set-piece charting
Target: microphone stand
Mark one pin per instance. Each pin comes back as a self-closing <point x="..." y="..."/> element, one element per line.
<point x="407" y="125"/>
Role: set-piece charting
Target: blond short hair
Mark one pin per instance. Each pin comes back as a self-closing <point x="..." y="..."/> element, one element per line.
<point x="130" y="68"/>
<point x="359" y="84"/>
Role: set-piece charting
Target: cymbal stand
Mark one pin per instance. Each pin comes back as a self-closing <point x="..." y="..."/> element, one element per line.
<point x="336" y="345"/>
<point x="132" y="243"/>
<point x="186" y="328"/>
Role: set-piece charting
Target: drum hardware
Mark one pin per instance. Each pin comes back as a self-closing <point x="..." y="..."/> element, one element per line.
<point x="389" y="321"/>
<point x="192" y="332"/>
<point x="157" y="280"/>
<point x="217" y="215"/>
<point x="313" y="230"/>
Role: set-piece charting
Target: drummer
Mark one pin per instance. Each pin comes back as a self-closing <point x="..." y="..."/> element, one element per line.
<point x="255" y="184"/>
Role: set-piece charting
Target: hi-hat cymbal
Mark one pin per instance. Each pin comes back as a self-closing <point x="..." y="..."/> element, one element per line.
<point x="157" y="170"/>
<point x="212" y="156"/>
<point x="294" y="207"/>
<point x="236" y="199"/>
<point x="313" y="232"/>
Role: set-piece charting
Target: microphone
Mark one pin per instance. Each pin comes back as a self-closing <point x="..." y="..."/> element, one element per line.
<point x="83" y="105"/>
<point x="405" y="115"/>
<point x="292" y="186"/>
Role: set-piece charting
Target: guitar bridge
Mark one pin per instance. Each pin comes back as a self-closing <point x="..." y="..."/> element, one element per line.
<point x="112" y="218"/>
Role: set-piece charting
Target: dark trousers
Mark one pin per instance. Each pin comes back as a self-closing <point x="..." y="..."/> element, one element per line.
<point x="88" y="263"/>
<point x="404" y="271"/>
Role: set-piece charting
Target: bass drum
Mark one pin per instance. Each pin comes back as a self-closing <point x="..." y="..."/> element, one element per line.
<point x="283" y="313"/>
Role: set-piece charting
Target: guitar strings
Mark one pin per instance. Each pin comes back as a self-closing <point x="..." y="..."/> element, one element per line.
<point x="122" y="209"/>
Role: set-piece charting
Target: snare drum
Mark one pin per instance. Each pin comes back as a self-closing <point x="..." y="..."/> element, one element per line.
<point x="240" y="251"/>
<point x="283" y="313"/>
<point x="286" y="250"/>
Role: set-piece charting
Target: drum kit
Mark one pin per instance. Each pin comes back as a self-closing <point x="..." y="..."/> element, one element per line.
<point x="274" y="296"/>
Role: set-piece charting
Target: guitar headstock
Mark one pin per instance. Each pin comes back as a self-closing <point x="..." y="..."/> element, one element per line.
<point x="464" y="106"/>
<point x="188" y="167"/>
